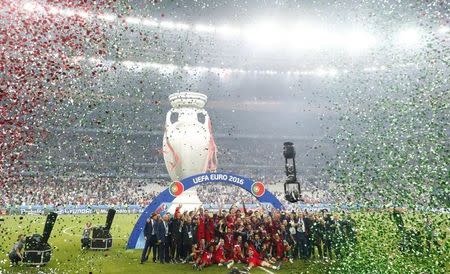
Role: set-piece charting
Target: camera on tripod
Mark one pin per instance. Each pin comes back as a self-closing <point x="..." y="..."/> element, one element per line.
<point x="292" y="190"/>
<point x="37" y="250"/>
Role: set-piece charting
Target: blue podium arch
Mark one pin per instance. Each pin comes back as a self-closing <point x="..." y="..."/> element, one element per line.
<point x="162" y="202"/>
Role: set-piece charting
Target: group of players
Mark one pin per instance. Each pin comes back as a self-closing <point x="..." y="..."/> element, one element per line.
<point x="255" y="238"/>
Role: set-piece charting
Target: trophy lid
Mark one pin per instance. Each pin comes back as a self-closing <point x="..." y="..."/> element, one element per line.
<point x="188" y="99"/>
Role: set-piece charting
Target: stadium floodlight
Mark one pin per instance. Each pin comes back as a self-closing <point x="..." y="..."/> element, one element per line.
<point x="132" y="20"/>
<point x="308" y="35"/>
<point x="182" y="26"/>
<point x="409" y="37"/>
<point x="167" y="24"/>
<point x="167" y="68"/>
<point x="53" y="10"/>
<point x="332" y="72"/>
<point x="107" y="17"/>
<point x="150" y="23"/>
<point x="292" y="190"/>
<point x="360" y="40"/>
<point x="228" y="31"/>
<point x="67" y="12"/>
<point x="77" y="59"/>
<point x="444" y="29"/>
<point x="33" y="7"/>
<point x="173" y="25"/>
<point x="94" y="60"/>
<point x="84" y="14"/>
<point x="264" y="35"/>
<point x="205" y="28"/>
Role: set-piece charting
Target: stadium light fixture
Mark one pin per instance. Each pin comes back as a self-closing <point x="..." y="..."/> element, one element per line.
<point x="444" y="29"/>
<point x="33" y="7"/>
<point x="168" y="24"/>
<point x="173" y="25"/>
<point x="205" y="28"/>
<point x="149" y="23"/>
<point x="182" y="26"/>
<point x="132" y="20"/>
<point x="84" y="14"/>
<point x="409" y="37"/>
<point x="264" y="35"/>
<point x="107" y="17"/>
<point x="360" y="40"/>
<point x="67" y="12"/>
<point x="53" y="10"/>
<point x="228" y="31"/>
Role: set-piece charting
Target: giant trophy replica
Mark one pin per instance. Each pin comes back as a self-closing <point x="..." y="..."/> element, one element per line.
<point x="188" y="143"/>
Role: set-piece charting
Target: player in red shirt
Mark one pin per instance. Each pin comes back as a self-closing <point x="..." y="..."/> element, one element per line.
<point x="238" y="253"/>
<point x="206" y="259"/>
<point x="201" y="233"/>
<point x="279" y="247"/>
<point x="254" y="259"/>
<point x="209" y="228"/>
<point x="228" y="241"/>
<point x="219" y="254"/>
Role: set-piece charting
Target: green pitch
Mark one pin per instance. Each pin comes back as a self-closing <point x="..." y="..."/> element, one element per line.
<point x="377" y="250"/>
<point x="68" y="258"/>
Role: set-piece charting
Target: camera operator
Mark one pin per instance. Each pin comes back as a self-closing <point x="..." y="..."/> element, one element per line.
<point x="16" y="255"/>
<point x="86" y="237"/>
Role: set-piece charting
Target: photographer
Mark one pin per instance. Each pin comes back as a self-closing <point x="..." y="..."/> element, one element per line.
<point x="16" y="252"/>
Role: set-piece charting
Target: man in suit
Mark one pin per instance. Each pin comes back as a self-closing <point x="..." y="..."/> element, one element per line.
<point x="188" y="235"/>
<point x="175" y="227"/>
<point x="163" y="237"/>
<point x="150" y="231"/>
<point x="308" y="224"/>
<point x="300" y="237"/>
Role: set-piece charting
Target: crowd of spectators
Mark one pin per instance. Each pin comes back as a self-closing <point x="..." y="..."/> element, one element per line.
<point x="112" y="191"/>
<point x="223" y="194"/>
<point x="100" y="191"/>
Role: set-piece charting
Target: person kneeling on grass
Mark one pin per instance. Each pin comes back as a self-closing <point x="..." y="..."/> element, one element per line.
<point x="16" y="252"/>
<point x="194" y="255"/>
<point x="206" y="259"/>
<point x="266" y="253"/>
<point x="86" y="237"/>
<point x="254" y="259"/>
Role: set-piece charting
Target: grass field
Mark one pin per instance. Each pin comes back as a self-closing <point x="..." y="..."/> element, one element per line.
<point x="68" y="258"/>
<point x="376" y="251"/>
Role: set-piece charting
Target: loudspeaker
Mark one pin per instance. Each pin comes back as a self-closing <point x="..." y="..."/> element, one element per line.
<point x="110" y="218"/>
<point x="101" y="236"/>
<point x="101" y="243"/>
<point x="100" y="232"/>
<point x="51" y="219"/>
<point x="37" y="251"/>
